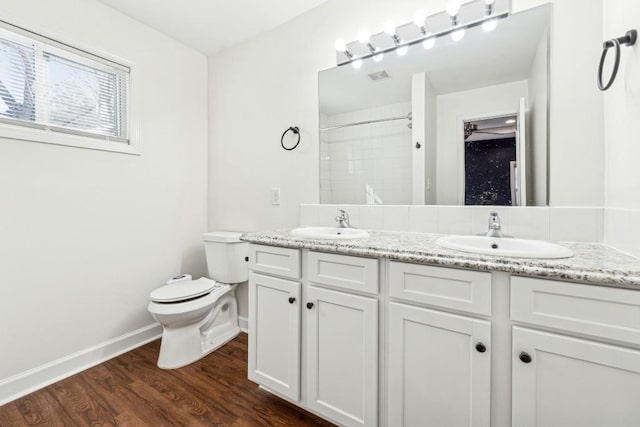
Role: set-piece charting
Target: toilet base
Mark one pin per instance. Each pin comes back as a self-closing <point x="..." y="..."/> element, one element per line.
<point x="184" y="345"/>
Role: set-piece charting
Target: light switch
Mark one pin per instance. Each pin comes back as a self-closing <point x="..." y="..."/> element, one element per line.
<point x="275" y="196"/>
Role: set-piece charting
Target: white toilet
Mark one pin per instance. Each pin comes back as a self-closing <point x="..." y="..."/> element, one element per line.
<point x="198" y="316"/>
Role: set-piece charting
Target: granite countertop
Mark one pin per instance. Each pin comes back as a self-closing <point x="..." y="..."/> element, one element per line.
<point x="592" y="263"/>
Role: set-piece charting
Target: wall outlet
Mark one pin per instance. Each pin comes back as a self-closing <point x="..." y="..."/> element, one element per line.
<point x="275" y="196"/>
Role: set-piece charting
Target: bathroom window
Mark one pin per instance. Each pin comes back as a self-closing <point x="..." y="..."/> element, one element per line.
<point x="51" y="92"/>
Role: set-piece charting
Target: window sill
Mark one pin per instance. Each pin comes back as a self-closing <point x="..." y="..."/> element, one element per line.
<point x="59" y="138"/>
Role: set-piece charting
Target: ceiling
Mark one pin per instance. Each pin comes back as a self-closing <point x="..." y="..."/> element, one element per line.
<point x="210" y="26"/>
<point x="480" y="59"/>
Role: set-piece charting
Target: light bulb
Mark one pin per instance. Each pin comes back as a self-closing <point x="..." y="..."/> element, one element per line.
<point x="490" y="24"/>
<point x="453" y="7"/>
<point x="402" y="50"/>
<point x="489" y="2"/>
<point x="357" y="64"/>
<point x="340" y="45"/>
<point x="419" y="18"/>
<point x="390" y="28"/>
<point x="378" y="57"/>
<point x="429" y="43"/>
<point x="363" y="36"/>
<point x="457" y="35"/>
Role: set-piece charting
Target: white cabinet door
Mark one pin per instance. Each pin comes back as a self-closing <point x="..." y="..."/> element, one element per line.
<point x="342" y="356"/>
<point x="274" y="334"/>
<point x="439" y="369"/>
<point x="561" y="381"/>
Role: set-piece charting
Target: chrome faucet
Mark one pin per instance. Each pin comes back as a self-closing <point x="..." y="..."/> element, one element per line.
<point x="343" y="219"/>
<point x="495" y="229"/>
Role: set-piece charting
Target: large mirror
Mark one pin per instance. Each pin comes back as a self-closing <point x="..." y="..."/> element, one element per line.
<point x="462" y="123"/>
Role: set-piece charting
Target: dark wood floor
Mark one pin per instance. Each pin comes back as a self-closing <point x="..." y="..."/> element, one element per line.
<point x="131" y="390"/>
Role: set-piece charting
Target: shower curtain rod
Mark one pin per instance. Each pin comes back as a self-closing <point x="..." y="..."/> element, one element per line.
<point x="367" y="122"/>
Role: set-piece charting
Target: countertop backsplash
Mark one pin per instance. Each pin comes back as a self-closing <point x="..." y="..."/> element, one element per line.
<point x="573" y="224"/>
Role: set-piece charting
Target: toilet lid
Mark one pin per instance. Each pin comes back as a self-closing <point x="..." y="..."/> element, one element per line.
<point x="186" y="289"/>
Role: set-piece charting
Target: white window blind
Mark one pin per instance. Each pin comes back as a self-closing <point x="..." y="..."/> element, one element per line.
<point x="54" y="87"/>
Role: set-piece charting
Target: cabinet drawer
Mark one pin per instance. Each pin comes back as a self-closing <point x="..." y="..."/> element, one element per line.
<point x="463" y="290"/>
<point x="274" y="260"/>
<point x="344" y="272"/>
<point x="586" y="309"/>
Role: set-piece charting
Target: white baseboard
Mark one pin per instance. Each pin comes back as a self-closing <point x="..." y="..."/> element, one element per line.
<point x="243" y="322"/>
<point x="34" y="379"/>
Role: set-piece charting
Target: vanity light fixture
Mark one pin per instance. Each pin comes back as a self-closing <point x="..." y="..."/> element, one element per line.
<point x="341" y="46"/>
<point x="429" y="43"/>
<point x="453" y="7"/>
<point x="420" y="19"/>
<point x="491" y="23"/>
<point x="402" y="50"/>
<point x="457" y="35"/>
<point x="390" y="29"/>
<point x="365" y="39"/>
<point x="424" y="29"/>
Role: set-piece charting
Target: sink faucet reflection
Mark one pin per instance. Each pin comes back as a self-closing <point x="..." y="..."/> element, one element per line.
<point x="343" y="219"/>
<point x="495" y="228"/>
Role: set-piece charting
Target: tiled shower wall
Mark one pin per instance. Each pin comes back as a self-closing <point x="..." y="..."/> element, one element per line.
<point x="367" y="164"/>
<point x="573" y="224"/>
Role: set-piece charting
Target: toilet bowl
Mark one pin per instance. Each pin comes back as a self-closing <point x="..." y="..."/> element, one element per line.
<point x="199" y="316"/>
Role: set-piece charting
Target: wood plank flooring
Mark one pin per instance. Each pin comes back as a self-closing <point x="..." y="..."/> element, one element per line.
<point x="131" y="390"/>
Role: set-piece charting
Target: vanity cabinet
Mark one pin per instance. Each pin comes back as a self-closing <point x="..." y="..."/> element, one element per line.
<point x="274" y="341"/>
<point x="342" y="356"/>
<point x="439" y="362"/>
<point x="565" y="381"/>
<point x="562" y="380"/>
<point x="375" y="342"/>
<point x="314" y="340"/>
<point x="439" y="368"/>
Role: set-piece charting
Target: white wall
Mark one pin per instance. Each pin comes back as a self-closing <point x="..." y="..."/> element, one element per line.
<point x="85" y="235"/>
<point x="452" y="110"/>
<point x="538" y="122"/>
<point x="622" y="141"/>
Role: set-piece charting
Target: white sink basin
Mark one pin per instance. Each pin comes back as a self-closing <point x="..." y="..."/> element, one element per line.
<point x="504" y="246"/>
<point x="329" y="233"/>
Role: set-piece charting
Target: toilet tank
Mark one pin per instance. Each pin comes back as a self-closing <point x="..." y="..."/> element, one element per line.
<point x="226" y="256"/>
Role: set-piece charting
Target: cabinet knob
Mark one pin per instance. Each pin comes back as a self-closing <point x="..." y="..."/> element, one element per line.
<point x="525" y="357"/>
<point x="481" y="348"/>
<point x="292" y="300"/>
<point x="309" y="305"/>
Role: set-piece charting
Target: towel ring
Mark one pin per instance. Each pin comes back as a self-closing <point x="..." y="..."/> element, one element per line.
<point x="296" y="131"/>
<point x="629" y="39"/>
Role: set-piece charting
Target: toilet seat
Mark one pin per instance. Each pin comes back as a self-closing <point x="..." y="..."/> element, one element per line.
<point x="186" y="290"/>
